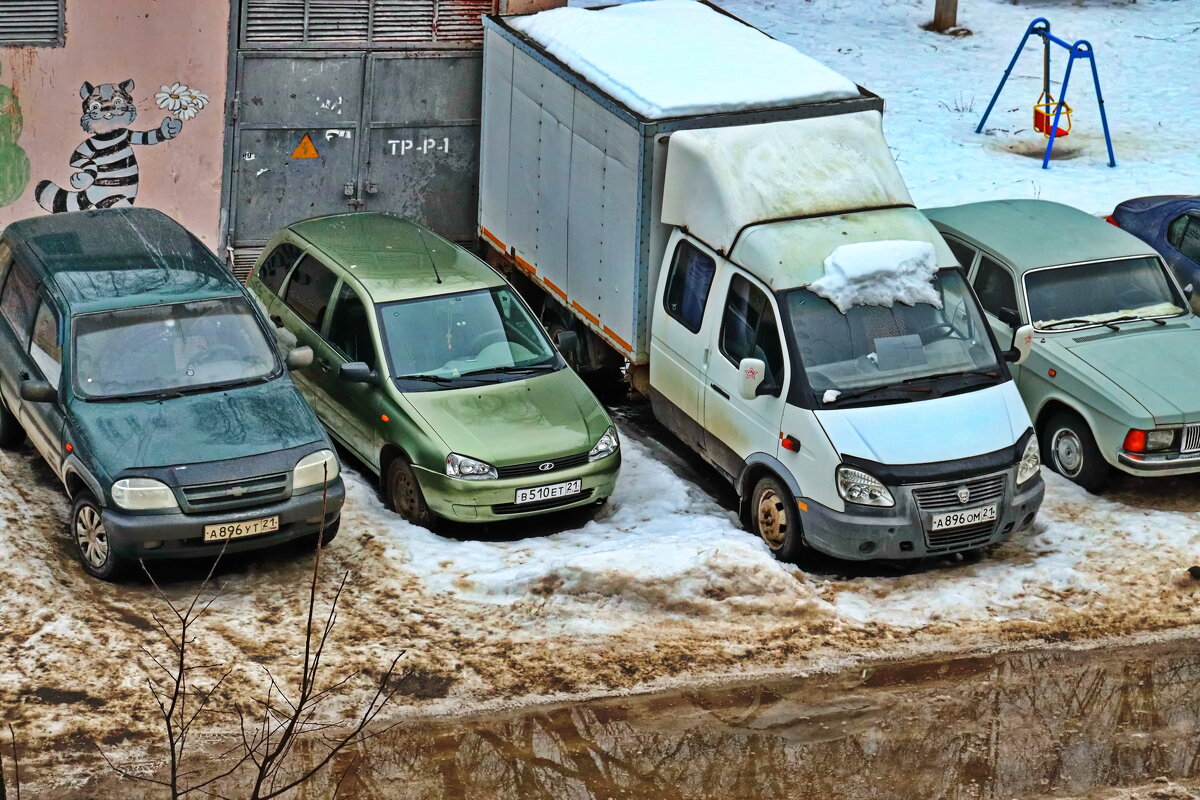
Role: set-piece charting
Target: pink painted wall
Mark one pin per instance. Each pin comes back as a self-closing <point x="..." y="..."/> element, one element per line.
<point x="154" y="42"/>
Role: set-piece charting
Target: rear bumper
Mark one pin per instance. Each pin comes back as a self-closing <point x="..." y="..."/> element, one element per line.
<point x="182" y="535"/>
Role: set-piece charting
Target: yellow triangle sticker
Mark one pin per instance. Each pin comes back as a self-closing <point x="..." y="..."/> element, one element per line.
<point x="306" y="149"/>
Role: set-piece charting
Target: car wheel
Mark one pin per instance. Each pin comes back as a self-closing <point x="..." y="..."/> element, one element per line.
<point x="774" y="517"/>
<point x="91" y="540"/>
<point x="405" y="496"/>
<point x="11" y="432"/>
<point x="1071" y="451"/>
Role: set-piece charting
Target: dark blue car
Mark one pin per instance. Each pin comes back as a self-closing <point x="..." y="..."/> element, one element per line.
<point x="1171" y="225"/>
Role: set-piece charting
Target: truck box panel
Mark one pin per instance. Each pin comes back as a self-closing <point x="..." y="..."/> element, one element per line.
<point x="494" y="136"/>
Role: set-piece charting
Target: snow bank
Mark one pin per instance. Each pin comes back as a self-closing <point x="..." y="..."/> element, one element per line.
<point x="879" y="274"/>
<point x="672" y="58"/>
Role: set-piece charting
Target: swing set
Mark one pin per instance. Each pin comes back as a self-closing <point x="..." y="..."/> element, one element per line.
<point x="1046" y="105"/>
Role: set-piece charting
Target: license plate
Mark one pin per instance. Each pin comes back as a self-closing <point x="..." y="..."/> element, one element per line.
<point x="537" y="494"/>
<point x="236" y="530"/>
<point x="970" y="516"/>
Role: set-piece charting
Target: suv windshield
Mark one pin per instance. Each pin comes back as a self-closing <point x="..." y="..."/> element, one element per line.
<point x="873" y="354"/>
<point x="164" y="349"/>
<point x="454" y="340"/>
<point x="1075" y="296"/>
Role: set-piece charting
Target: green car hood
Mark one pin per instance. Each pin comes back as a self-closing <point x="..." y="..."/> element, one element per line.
<point x="195" y="428"/>
<point x="1154" y="366"/>
<point x="546" y="416"/>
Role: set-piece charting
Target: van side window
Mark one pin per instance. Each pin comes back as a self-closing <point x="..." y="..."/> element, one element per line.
<point x="994" y="286"/>
<point x="309" y="290"/>
<point x="44" y="347"/>
<point x="748" y="329"/>
<point x="17" y="300"/>
<point x="275" y="268"/>
<point x="963" y="254"/>
<point x="349" y="329"/>
<point x="687" y="286"/>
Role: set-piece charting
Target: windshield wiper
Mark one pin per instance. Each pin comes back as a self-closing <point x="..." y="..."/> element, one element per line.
<point x="986" y="373"/>
<point x="1134" y="318"/>
<point x="1075" y="321"/>
<point x="510" y="369"/>
<point x="887" y="387"/>
<point x="440" y="379"/>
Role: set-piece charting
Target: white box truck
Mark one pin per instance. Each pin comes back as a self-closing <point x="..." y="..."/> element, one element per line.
<point x="724" y="214"/>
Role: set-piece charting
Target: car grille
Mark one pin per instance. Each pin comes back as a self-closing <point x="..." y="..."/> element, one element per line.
<point x="235" y="494"/>
<point x="962" y="538"/>
<point x="514" y="508"/>
<point x="1191" y="439"/>
<point x="535" y="467"/>
<point x="943" y="496"/>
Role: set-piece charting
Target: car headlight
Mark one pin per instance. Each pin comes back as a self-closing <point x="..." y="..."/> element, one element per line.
<point x="315" y="469"/>
<point x="1031" y="461"/>
<point x="856" y="486"/>
<point x="469" y="469"/>
<point x="143" y="494"/>
<point x="607" y="445"/>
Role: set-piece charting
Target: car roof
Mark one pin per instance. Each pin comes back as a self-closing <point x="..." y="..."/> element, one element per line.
<point x="119" y="257"/>
<point x="394" y="258"/>
<point x="1037" y="233"/>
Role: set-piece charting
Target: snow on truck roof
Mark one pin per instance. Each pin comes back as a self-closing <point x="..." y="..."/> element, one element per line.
<point x="675" y="58"/>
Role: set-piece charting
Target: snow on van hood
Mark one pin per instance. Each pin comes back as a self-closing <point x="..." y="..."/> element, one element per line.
<point x="879" y="273"/>
<point x="943" y="429"/>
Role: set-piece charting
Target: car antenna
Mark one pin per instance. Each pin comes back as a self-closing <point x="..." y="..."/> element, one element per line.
<point x="432" y="263"/>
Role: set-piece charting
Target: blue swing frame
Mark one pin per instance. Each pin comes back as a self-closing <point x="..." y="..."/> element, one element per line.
<point x="1080" y="49"/>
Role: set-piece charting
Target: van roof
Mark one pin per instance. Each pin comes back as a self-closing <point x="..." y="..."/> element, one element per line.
<point x="394" y="258"/>
<point x="119" y="257"/>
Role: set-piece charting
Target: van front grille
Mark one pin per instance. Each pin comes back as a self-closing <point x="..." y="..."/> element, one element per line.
<point x="963" y="538"/>
<point x="235" y="494"/>
<point x="982" y="491"/>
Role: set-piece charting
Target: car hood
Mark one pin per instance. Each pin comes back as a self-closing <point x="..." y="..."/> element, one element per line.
<point x="1155" y="367"/>
<point x="196" y="428"/>
<point x="546" y="416"/>
<point x="926" y="431"/>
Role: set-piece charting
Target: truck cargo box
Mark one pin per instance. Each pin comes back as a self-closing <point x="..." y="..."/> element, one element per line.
<point x="571" y="175"/>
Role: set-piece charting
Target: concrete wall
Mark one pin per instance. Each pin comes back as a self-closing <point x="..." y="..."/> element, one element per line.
<point x="153" y="42"/>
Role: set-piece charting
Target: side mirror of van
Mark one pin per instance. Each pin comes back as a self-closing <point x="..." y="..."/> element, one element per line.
<point x="1021" y="345"/>
<point x="38" y="392"/>
<point x="300" y="357"/>
<point x="357" y="372"/>
<point x="753" y="371"/>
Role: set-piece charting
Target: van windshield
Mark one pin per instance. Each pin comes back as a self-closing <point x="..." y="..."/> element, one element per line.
<point x="872" y="354"/>
<point x="454" y="340"/>
<point x="1079" y="295"/>
<point x="171" y="348"/>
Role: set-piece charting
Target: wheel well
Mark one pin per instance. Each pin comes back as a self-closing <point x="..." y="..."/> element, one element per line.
<point x="750" y="478"/>
<point x="1047" y="413"/>
<point x="75" y="485"/>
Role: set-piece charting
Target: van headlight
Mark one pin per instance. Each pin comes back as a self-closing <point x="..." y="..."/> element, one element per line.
<point x="315" y="469"/>
<point x="143" y="494"/>
<point x="607" y="445"/>
<point x="469" y="469"/>
<point x="856" y="486"/>
<point x="1031" y="461"/>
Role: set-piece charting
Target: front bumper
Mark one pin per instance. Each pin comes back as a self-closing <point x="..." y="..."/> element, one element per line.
<point x="182" y="535"/>
<point x="864" y="533"/>
<point x="1158" y="464"/>
<point x="493" y="500"/>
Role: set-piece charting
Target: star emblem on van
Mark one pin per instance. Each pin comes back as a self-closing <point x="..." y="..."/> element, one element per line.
<point x="751" y="373"/>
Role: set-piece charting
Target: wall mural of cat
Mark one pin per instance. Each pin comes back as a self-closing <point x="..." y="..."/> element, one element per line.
<point x="107" y="168"/>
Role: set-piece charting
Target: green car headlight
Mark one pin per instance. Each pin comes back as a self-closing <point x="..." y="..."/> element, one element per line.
<point x="607" y="445"/>
<point x="469" y="469"/>
<point x="315" y="469"/>
<point x="143" y="494"/>
<point x="1031" y="461"/>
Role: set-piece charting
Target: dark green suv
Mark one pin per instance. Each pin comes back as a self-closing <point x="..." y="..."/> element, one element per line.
<point x="144" y="376"/>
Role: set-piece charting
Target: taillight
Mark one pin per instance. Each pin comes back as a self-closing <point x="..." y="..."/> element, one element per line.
<point x="1135" y="441"/>
<point x="1111" y="220"/>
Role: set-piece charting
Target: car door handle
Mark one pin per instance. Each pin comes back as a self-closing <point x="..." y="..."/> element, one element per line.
<point x="719" y="391"/>
<point x="278" y="320"/>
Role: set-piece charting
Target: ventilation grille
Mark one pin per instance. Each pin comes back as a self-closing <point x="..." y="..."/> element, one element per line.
<point x="945" y="496"/>
<point x="31" y="22"/>
<point x="315" y="23"/>
<point x="243" y="261"/>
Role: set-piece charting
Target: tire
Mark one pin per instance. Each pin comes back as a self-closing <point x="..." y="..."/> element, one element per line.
<point x="11" y="432"/>
<point x="90" y="540"/>
<point x="404" y="494"/>
<point x="774" y="517"/>
<point x="1069" y="448"/>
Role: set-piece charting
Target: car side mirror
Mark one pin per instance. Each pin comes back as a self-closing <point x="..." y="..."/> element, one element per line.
<point x="38" y="392"/>
<point x="1009" y="317"/>
<point x="357" y="372"/>
<point x="1021" y="345"/>
<point x="567" y="342"/>
<point x="753" y="372"/>
<point x="1189" y="289"/>
<point x="300" y="357"/>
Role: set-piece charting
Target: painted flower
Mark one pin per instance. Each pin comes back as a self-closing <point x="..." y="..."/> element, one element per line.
<point x="187" y="112"/>
<point x="171" y="97"/>
<point x="195" y="99"/>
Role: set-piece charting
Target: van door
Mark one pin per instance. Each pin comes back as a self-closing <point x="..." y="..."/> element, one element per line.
<point x="303" y="310"/>
<point x="353" y="407"/>
<point x="677" y="343"/>
<point x="43" y="422"/>
<point x="749" y="328"/>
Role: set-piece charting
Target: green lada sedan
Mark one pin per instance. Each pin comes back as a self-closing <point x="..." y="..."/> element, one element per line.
<point x="139" y="368"/>
<point x="433" y="372"/>
<point x="1113" y="377"/>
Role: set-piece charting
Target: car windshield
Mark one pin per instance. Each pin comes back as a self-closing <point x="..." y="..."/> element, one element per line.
<point x="1075" y="296"/>
<point x="455" y="340"/>
<point x="873" y="354"/>
<point x="164" y="349"/>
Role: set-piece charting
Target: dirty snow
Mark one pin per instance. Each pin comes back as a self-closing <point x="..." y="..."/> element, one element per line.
<point x="672" y="58"/>
<point x="879" y="274"/>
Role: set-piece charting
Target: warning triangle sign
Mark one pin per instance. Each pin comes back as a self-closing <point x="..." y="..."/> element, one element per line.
<point x="306" y="149"/>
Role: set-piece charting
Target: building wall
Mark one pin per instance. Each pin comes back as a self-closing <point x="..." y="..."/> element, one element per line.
<point x="152" y="42"/>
